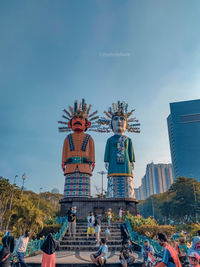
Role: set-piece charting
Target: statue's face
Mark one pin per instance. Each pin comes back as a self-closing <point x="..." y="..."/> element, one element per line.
<point x="119" y="125"/>
<point x="78" y="124"/>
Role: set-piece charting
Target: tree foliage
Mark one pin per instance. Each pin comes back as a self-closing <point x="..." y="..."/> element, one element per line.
<point x="21" y="210"/>
<point x="179" y="204"/>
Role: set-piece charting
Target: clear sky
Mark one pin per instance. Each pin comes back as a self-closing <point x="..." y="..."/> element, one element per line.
<point x="146" y="52"/>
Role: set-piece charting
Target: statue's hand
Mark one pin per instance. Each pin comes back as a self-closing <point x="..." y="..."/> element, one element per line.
<point x="92" y="165"/>
<point x="106" y="165"/>
<point x="63" y="166"/>
<point x="132" y="165"/>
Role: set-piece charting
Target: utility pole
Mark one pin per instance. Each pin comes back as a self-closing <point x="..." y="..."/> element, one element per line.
<point x="102" y="174"/>
<point x="11" y="201"/>
<point x="23" y="179"/>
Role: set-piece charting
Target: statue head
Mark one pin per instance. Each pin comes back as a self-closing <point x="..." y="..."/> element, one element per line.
<point x="118" y="120"/>
<point x="79" y="123"/>
<point x="78" y="117"/>
<point x="119" y="123"/>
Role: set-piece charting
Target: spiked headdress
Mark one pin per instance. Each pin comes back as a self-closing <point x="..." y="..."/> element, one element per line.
<point x="118" y="109"/>
<point x="79" y="109"/>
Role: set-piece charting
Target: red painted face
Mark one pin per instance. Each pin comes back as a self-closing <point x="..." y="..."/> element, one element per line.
<point x="78" y="124"/>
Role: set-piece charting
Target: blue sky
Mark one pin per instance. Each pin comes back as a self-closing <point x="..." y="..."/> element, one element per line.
<point x="53" y="52"/>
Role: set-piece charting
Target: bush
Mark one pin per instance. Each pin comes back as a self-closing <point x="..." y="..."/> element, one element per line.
<point x="151" y="231"/>
<point x="115" y="217"/>
<point x="1" y="236"/>
<point x="194" y="229"/>
<point x="50" y="221"/>
<point x="139" y="221"/>
<point x="53" y="228"/>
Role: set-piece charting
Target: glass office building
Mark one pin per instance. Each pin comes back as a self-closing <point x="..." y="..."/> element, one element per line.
<point x="184" y="138"/>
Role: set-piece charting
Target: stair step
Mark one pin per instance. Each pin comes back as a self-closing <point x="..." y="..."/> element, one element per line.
<point x="84" y="264"/>
<point x="88" y="248"/>
<point x="83" y="239"/>
<point x="85" y="234"/>
<point x="88" y="243"/>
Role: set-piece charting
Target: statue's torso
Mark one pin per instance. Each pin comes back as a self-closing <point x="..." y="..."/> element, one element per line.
<point x="118" y="155"/>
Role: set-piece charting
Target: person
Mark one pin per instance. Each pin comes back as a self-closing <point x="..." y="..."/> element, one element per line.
<point x="198" y="233"/>
<point x="21" y="246"/>
<point x="71" y="222"/>
<point x="97" y="229"/>
<point x="109" y="216"/>
<point x="194" y="259"/>
<point x="124" y="232"/>
<point x="90" y="220"/>
<point x="101" y="256"/>
<point x="48" y="248"/>
<point x="7" y="249"/>
<point x="120" y="214"/>
<point x="119" y="155"/>
<point x="147" y="250"/>
<point x="107" y="233"/>
<point x="195" y="245"/>
<point x="126" y="254"/>
<point x="78" y="157"/>
<point x="182" y="249"/>
<point x="170" y="257"/>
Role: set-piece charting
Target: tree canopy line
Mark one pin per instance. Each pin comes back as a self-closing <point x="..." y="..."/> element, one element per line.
<point x="179" y="205"/>
<point x="20" y="210"/>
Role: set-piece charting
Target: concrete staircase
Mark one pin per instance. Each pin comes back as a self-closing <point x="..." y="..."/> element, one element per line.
<point x="82" y="244"/>
<point x="75" y="252"/>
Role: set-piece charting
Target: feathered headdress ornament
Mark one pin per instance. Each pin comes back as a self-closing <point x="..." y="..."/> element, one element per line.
<point x="79" y="109"/>
<point x="118" y="109"/>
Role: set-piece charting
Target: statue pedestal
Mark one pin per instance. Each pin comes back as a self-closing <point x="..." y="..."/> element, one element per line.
<point x="97" y="205"/>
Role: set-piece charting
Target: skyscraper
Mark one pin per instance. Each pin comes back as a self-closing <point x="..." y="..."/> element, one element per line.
<point x="157" y="179"/>
<point x="184" y="137"/>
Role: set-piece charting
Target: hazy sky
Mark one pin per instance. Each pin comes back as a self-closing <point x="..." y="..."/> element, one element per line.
<point x="146" y="52"/>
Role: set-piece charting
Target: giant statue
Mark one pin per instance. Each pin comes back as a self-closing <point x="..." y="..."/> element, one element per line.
<point x="119" y="155"/>
<point x="78" y="157"/>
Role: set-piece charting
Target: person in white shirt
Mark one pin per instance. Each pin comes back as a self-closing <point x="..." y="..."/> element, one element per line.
<point x="107" y="233"/>
<point x="21" y="245"/>
<point x="101" y="256"/>
<point x="120" y="214"/>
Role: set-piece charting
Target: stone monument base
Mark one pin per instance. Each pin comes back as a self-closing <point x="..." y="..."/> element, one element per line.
<point x="97" y="205"/>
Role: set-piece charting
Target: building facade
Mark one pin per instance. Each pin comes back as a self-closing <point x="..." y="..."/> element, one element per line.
<point x="157" y="179"/>
<point x="184" y="138"/>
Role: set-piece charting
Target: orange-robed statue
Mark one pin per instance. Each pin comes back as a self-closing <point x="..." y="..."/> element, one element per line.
<point x="78" y="157"/>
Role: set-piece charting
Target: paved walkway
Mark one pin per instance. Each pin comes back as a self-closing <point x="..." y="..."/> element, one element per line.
<point x="78" y="257"/>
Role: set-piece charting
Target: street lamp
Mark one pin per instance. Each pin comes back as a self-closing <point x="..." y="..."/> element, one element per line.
<point x="102" y="174"/>
<point x="23" y="180"/>
<point x="15" y="179"/>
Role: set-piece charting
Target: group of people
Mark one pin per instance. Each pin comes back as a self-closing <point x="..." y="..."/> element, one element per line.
<point x="174" y="255"/>
<point x="10" y="248"/>
<point x="18" y="249"/>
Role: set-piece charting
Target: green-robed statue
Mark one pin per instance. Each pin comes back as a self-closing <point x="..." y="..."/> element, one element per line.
<point x="119" y="155"/>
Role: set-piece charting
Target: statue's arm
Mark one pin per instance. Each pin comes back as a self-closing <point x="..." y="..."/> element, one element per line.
<point x="65" y="153"/>
<point x="92" y="153"/>
<point x="107" y="155"/>
<point x="131" y="153"/>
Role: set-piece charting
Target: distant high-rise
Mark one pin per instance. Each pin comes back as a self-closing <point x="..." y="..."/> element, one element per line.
<point x="55" y="191"/>
<point x="184" y="137"/>
<point x="158" y="179"/>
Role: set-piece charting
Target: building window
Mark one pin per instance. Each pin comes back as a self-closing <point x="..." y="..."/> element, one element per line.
<point x="190" y="118"/>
